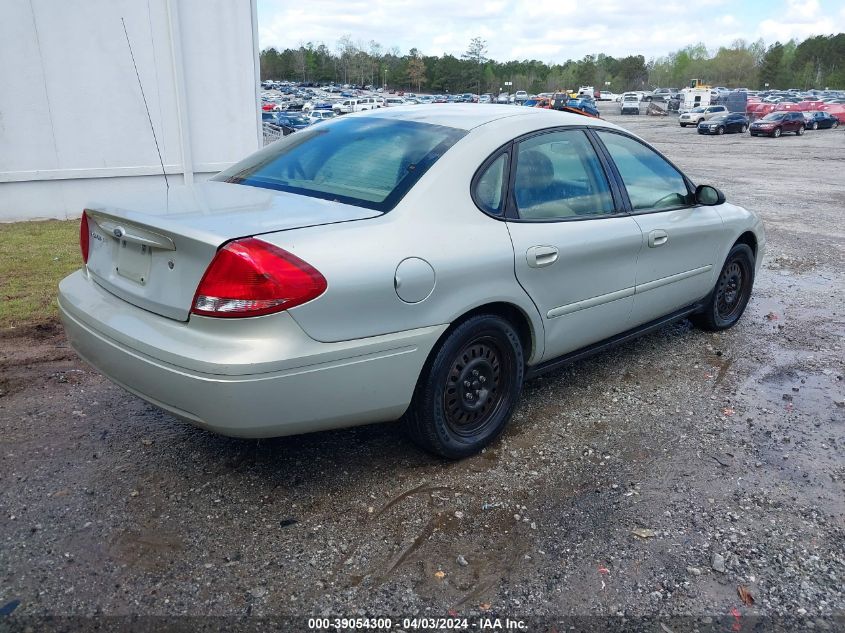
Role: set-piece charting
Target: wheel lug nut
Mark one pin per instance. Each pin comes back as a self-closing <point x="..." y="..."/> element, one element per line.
<point x="482" y="380"/>
<point x="475" y="372"/>
<point x="469" y="396"/>
<point x="467" y="384"/>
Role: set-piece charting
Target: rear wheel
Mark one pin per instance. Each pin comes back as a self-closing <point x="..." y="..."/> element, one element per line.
<point x="800" y="131"/>
<point x="744" y="128"/>
<point x="835" y="124"/>
<point x="683" y="124"/>
<point x="729" y="298"/>
<point x="468" y="389"/>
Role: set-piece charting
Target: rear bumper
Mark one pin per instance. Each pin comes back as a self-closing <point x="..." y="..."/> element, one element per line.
<point x="259" y="377"/>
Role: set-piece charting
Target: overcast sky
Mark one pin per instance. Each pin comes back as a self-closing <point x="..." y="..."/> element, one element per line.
<point x="549" y="30"/>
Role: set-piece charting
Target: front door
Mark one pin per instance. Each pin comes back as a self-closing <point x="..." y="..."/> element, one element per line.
<point x="675" y="266"/>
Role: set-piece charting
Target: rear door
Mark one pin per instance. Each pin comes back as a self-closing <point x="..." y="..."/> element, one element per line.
<point x="679" y="239"/>
<point x="574" y="250"/>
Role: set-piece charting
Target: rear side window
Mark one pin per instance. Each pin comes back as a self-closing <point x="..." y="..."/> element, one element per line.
<point x="651" y="181"/>
<point x="367" y="162"/>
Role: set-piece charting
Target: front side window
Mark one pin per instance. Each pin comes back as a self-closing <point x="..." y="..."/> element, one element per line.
<point x="558" y="176"/>
<point x="367" y="162"/>
<point x="652" y="183"/>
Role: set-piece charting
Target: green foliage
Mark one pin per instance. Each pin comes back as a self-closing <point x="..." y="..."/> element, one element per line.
<point x="34" y="257"/>
<point x="817" y="62"/>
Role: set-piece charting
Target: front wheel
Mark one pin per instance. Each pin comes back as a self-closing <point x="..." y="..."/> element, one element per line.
<point x="720" y="130"/>
<point x="815" y="125"/>
<point x="776" y="133"/>
<point x="683" y="124"/>
<point x="468" y="388"/>
<point x="835" y="125"/>
<point x="800" y="131"/>
<point x="744" y="128"/>
<point x="729" y="298"/>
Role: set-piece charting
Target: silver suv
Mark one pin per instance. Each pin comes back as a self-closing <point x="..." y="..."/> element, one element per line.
<point x="697" y="115"/>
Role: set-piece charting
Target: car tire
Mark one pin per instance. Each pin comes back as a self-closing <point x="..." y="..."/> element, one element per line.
<point x="720" y="130"/>
<point x="729" y="298"/>
<point x="815" y="125"/>
<point x="776" y="132"/>
<point x="744" y="128"/>
<point x="683" y="124"/>
<point x="834" y="125"/>
<point x="800" y="131"/>
<point x="468" y="388"/>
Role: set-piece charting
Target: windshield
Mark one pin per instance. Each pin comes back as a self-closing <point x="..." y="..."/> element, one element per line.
<point x="698" y="110"/>
<point x="367" y="162"/>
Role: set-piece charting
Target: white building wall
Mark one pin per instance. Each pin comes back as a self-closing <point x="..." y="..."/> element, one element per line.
<point x="73" y="125"/>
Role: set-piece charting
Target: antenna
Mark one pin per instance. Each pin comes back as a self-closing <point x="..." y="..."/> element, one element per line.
<point x="146" y="107"/>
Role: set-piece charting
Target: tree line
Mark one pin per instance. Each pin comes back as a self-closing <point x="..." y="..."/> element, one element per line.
<point x="816" y="62"/>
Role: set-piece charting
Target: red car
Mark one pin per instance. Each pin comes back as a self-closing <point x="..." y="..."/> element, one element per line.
<point x="776" y="123"/>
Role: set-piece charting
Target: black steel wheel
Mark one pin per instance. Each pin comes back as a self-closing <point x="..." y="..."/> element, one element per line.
<point x="730" y="296"/>
<point x="473" y="390"/>
<point x="468" y="389"/>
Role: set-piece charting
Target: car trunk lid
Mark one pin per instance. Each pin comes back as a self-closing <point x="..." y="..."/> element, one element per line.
<point x="152" y="249"/>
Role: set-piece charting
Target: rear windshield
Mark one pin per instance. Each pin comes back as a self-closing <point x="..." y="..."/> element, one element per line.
<point x="366" y="162"/>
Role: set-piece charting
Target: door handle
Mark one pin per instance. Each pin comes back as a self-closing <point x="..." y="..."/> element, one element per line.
<point x="657" y="238"/>
<point x="539" y="256"/>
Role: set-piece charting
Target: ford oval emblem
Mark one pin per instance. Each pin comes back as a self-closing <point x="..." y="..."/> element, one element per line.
<point x="118" y="232"/>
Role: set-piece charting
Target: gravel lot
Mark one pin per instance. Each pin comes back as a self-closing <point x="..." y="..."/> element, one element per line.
<point x="662" y="478"/>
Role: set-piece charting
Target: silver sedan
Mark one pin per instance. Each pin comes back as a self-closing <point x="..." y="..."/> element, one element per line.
<point x="413" y="263"/>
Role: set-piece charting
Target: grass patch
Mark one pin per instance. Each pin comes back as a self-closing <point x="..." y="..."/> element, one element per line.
<point x="34" y="257"/>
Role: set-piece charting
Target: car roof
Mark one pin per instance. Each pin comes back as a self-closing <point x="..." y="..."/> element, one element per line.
<point x="469" y="116"/>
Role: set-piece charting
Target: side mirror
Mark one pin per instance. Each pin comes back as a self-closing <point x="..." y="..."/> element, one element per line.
<point x="708" y="196"/>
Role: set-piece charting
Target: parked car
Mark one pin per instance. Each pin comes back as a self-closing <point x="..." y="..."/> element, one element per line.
<point x="630" y="104"/>
<point x="485" y="98"/>
<point x="296" y="120"/>
<point x="697" y="115"/>
<point x="320" y="115"/>
<point x="663" y="94"/>
<point x="519" y="96"/>
<point x="606" y="95"/>
<point x="721" y="123"/>
<point x="539" y="102"/>
<point x="295" y="291"/>
<point x="503" y="97"/>
<point x="820" y="120"/>
<point x="776" y="123"/>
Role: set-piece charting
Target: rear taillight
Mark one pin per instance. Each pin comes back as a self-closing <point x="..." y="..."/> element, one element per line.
<point x="84" y="237"/>
<point x="250" y="277"/>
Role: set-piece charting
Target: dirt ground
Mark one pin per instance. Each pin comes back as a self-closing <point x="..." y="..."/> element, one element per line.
<point x="663" y="478"/>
